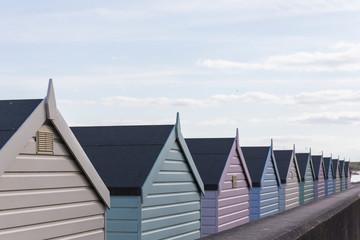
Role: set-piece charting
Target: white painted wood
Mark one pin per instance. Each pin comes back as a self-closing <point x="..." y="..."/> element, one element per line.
<point x="292" y="187"/>
<point x="49" y="196"/>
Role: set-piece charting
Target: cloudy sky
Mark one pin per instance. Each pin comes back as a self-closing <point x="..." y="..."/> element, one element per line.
<point x="288" y="70"/>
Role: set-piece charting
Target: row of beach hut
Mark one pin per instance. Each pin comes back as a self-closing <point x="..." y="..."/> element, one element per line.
<point x="142" y="182"/>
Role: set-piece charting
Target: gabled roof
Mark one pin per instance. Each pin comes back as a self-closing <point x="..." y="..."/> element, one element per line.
<point x="317" y="161"/>
<point x="13" y="115"/>
<point x="328" y="164"/>
<point x="335" y="165"/>
<point x="128" y="158"/>
<point x="210" y="156"/>
<point x="123" y="155"/>
<point x="341" y="165"/>
<point x="256" y="159"/>
<point x="347" y="168"/>
<point x="304" y="159"/>
<point x="283" y="161"/>
<point x="21" y="118"/>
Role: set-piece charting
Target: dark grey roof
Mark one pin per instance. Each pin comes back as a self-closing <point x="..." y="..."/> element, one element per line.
<point x="316" y="159"/>
<point x="283" y="161"/>
<point x="13" y="114"/>
<point x="123" y="155"/>
<point x="302" y="160"/>
<point x="255" y="158"/>
<point x="341" y="162"/>
<point x="347" y="165"/>
<point x="327" y="161"/>
<point x="210" y="156"/>
<point x="335" y="165"/>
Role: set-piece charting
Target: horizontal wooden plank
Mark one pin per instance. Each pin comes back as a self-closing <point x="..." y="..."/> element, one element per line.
<point x="208" y="212"/>
<point x="174" y="187"/>
<point x="175" y="166"/>
<point x="165" y="210"/>
<point x="168" y="176"/>
<point x="267" y="183"/>
<point x="24" y="199"/>
<point x="175" y="219"/>
<point x="91" y="235"/>
<point x="229" y="184"/>
<point x="175" y="146"/>
<point x="210" y="194"/>
<point x="54" y="229"/>
<point x="125" y="213"/>
<point x="187" y="236"/>
<point x="123" y="226"/>
<point x="208" y="203"/>
<point x="60" y="148"/>
<point x="170" y="198"/>
<point x="172" y="231"/>
<point x="11" y="181"/>
<point x="208" y="230"/>
<point x="239" y="176"/>
<point x="269" y="189"/>
<point x="175" y="155"/>
<point x="36" y="215"/>
<point x="235" y="169"/>
<point x="232" y="216"/>
<point x="125" y="201"/>
<point x="121" y="236"/>
<point x="224" y="193"/>
<point x="43" y="163"/>
<point x="234" y="223"/>
<point x="233" y="208"/>
<point x="208" y="221"/>
<point x="233" y="200"/>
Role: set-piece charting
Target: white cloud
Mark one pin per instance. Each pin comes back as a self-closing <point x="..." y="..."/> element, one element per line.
<point x="344" y="57"/>
<point x="217" y="122"/>
<point x="328" y="118"/>
<point x="324" y="99"/>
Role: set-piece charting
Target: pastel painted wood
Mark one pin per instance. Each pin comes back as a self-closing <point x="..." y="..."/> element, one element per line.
<point x="264" y="195"/>
<point x="342" y="175"/>
<point x="220" y="163"/>
<point x="347" y="175"/>
<point x="329" y="183"/>
<point x="154" y="184"/>
<point x="320" y="176"/>
<point x="290" y="178"/>
<point x="52" y="194"/>
<point x="336" y="175"/>
<point x="307" y="177"/>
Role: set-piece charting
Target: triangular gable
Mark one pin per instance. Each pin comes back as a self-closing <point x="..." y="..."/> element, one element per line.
<point x="47" y="110"/>
<point x="318" y="164"/>
<point x="236" y="147"/>
<point x="342" y="168"/>
<point x="293" y="159"/>
<point x="271" y="157"/>
<point x="175" y="135"/>
<point x="311" y="166"/>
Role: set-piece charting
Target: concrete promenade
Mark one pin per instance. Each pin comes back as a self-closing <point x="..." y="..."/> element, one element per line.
<point x="335" y="217"/>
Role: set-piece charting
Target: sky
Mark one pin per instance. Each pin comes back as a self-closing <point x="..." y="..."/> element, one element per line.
<point x="287" y="70"/>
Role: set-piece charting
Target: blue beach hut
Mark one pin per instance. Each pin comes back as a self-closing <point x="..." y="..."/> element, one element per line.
<point x="307" y="177"/>
<point x="155" y="188"/>
<point x="264" y="196"/>
<point x="329" y="183"/>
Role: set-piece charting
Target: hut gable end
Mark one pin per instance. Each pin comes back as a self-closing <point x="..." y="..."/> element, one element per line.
<point x="49" y="189"/>
<point x="175" y="189"/>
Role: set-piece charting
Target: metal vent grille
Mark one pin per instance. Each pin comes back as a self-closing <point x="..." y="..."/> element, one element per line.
<point x="45" y="142"/>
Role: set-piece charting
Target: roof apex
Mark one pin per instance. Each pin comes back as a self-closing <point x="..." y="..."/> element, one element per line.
<point x="50" y="101"/>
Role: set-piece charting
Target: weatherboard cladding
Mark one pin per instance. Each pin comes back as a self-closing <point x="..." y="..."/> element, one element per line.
<point x="264" y="196"/>
<point x="347" y="175"/>
<point x="223" y="206"/>
<point x="48" y="196"/>
<point x="319" y="185"/>
<point x="307" y="175"/>
<point x="290" y="178"/>
<point x="342" y="175"/>
<point x="336" y="175"/>
<point x="329" y="183"/>
<point x="171" y="207"/>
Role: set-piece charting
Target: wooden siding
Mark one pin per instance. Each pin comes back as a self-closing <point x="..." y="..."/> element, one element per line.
<point x="282" y="197"/>
<point x="48" y="196"/>
<point x="269" y="192"/>
<point x="342" y="183"/>
<point x="292" y="187"/>
<point x="209" y="213"/>
<point x="348" y="181"/>
<point x="334" y="185"/>
<point x="172" y="207"/>
<point x="321" y="183"/>
<point x="233" y="203"/>
<point x="338" y="179"/>
<point x="329" y="183"/>
<point x="123" y="219"/>
<point x="307" y="187"/>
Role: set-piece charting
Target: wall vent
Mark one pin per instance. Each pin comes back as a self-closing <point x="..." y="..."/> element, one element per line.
<point x="45" y="142"/>
<point x="234" y="181"/>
